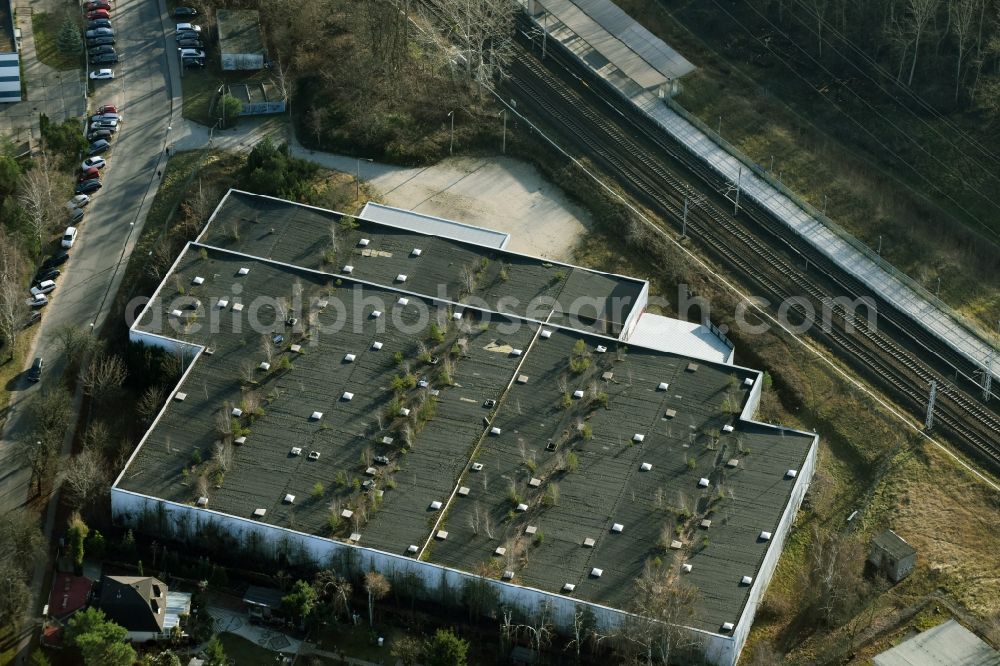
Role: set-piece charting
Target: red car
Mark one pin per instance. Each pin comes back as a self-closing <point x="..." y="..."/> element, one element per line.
<point x="107" y="108"/>
<point x="89" y="174"/>
<point x="98" y="4"/>
<point x="98" y="14"/>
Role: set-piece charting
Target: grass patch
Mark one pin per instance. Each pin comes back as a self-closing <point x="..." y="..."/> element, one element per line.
<point x="45" y="27"/>
<point x="359" y="642"/>
<point x="10" y="371"/>
<point x="241" y="651"/>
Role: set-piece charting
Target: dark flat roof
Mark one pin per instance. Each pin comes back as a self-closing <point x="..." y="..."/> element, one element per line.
<point x="239" y="31"/>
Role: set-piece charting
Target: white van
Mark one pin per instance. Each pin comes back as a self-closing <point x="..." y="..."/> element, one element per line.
<point x="69" y="237"/>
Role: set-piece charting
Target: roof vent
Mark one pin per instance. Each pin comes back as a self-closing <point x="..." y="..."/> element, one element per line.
<point x="441" y="535"/>
<point x="522" y="379"/>
<point x="516" y="352"/>
<point x="243" y="271"/>
<point x="727" y="428"/>
<point x="363" y="242"/>
<point x="764" y="536"/>
<point x="546" y="333"/>
<point x="237" y="307"/>
<point x="645" y="467"/>
<point x="670" y="413"/>
<point x="180" y="396"/>
<point x="596" y="573"/>
<point x="676" y="545"/>
<point x="456" y="315"/>
<point x="703" y="482"/>
<point x="264" y="365"/>
<point x="521" y="508"/>
<point x="289" y="499"/>
<point x="347" y="396"/>
<point x="534" y="482"/>
<point x="601" y="349"/>
<point x="259" y="513"/>
<point x="321" y="304"/>
<point x="477" y="467"/>
<point x="705" y="524"/>
<point x="791" y="474"/>
<point x="296" y="451"/>
<point x="692" y="367"/>
<point x="222" y="303"/>
<point x="746" y="580"/>
<point x="346" y="514"/>
<point x="617" y="528"/>
<point x="500" y="551"/>
<point x="401" y="277"/>
<point x="748" y="381"/>
<point x="578" y="394"/>
<point x="638" y="437"/>
<point x="381" y="460"/>
<point x="296" y="349"/>
<point x="240" y="441"/>
<point x="176" y="313"/>
<point x="436" y="505"/>
<point x="371" y="471"/>
<point x="404" y="411"/>
<point x="423" y="383"/>
<point x="376" y="314"/>
<point x="202" y="502"/>
<point x="589" y="542"/>
<point x="347" y="269"/>
<point x="314" y="455"/>
<point x="316" y="416"/>
<point x="495" y="430"/>
<point x="355" y="537"/>
<point x="387" y="440"/>
<point x="349" y="358"/>
<point x="607" y="375"/>
<point x="416" y="252"/>
<point x="403" y="301"/>
<point x="507" y="575"/>
<point x="686" y="568"/>
<point x="209" y="351"/>
<point x="531" y="529"/>
<point x="568" y="587"/>
<point x="237" y="412"/>
<point x="198" y="280"/>
<point x="662" y="386"/>
<point x="727" y="626"/>
<point x="463" y="491"/>
<point x="412" y="549"/>
<point x="376" y="345"/>
<point x="733" y="462"/>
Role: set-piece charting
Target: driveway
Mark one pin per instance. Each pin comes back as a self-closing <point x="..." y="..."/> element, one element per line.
<point x="238" y="623"/>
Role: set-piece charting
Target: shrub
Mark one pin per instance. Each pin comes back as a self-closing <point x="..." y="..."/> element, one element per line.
<point x="436" y="334"/>
<point x="317" y="491"/>
<point x="572" y="461"/>
<point x="587" y="432"/>
<point x="397" y="358"/>
<point x="566" y="401"/>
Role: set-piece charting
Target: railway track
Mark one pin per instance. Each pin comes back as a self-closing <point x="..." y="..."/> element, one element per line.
<point x="753" y="253"/>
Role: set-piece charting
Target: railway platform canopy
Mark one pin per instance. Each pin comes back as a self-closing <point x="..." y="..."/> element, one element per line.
<point x="615" y="39"/>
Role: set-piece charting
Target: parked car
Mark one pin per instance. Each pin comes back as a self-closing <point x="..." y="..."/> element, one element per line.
<point x="79" y="201"/>
<point x="103" y="59"/>
<point x="185" y="12"/>
<point x="47" y="274"/>
<point x="98" y="23"/>
<point x="106" y="40"/>
<point x="96" y="148"/>
<point x="97" y="4"/>
<point x="46" y="286"/>
<point x="98" y="14"/>
<point x="57" y="259"/>
<point x="98" y="135"/>
<point x="190" y="43"/>
<point x="74" y="215"/>
<point x="108" y="108"/>
<point x="99" y="32"/>
<point x="109" y="125"/>
<point x="193" y="62"/>
<point x="93" y="173"/>
<point x="32" y="318"/>
<point x="35" y="372"/>
<point x="188" y="26"/>
<point x="98" y="49"/>
<point x="88" y="186"/>
<point x="69" y="237"/>
<point x="37" y="301"/>
<point x="102" y="74"/>
<point x="187" y="35"/>
<point x="105" y="116"/>
<point x="94" y="163"/>
<point x="192" y="53"/>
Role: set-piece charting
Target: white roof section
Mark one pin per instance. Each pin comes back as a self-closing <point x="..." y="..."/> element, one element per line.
<point x="641" y="55"/>
<point x="680" y="337"/>
<point x="949" y="643"/>
<point x="434" y="226"/>
<point x="178" y="603"/>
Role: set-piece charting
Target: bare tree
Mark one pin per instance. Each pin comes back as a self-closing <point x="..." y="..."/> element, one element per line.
<point x="317" y="120"/>
<point x="85" y="477"/>
<point x="14" y="595"/>
<point x="104" y="376"/>
<point x="919" y="13"/>
<point x="834" y="579"/>
<point x="664" y="604"/>
<point x="223" y="455"/>
<point x="75" y="344"/>
<point x="819" y="9"/>
<point x="377" y="587"/>
<point x="13" y="309"/>
<point x="963" y="14"/>
<point x="37" y="196"/>
<point x="482" y="31"/>
<point x="149" y="403"/>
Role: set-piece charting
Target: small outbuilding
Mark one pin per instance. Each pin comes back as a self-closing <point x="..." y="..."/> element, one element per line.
<point x="259" y="97"/>
<point x="891" y="555"/>
<point x="262" y="601"/>
<point x="241" y="46"/>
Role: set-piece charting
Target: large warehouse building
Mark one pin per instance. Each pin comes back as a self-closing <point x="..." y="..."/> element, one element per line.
<point x="10" y="59"/>
<point x="369" y="396"/>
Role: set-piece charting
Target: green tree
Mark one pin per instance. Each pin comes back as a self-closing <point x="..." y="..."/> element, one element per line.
<point x="229" y="110"/>
<point x="300" y="602"/>
<point x="10" y="174"/>
<point x="215" y="654"/>
<point x="69" y="42"/>
<point x="77" y="536"/>
<point x="38" y="658"/>
<point x="445" y="649"/>
<point x="100" y="641"/>
<point x="96" y="545"/>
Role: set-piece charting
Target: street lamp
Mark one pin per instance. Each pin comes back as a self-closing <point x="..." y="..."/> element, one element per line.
<point x="504" y="112"/>
<point x="357" y="178"/>
<point x="451" y="144"/>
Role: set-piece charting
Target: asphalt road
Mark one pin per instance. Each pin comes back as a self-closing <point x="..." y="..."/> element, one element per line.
<point x="146" y="89"/>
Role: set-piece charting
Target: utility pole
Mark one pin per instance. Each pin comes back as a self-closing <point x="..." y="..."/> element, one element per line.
<point x="929" y="421"/>
<point x="504" y="112"/>
<point x="719" y="132"/>
<point x="937" y="292"/>
<point x="879" y="250"/>
<point x="772" y="165"/>
<point x="545" y="32"/>
<point x="357" y="177"/>
<point x="684" y="220"/>
<point x="988" y="377"/>
<point x="739" y="180"/>
<point x="824" y="204"/>
<point x="451" y="144"/>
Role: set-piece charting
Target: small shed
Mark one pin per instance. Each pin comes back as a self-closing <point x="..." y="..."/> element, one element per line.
<point x="892" y="555"/>
<point x="240" y="43"/>
<point x="262" y="601"/>
<point x="258" y="97"/>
